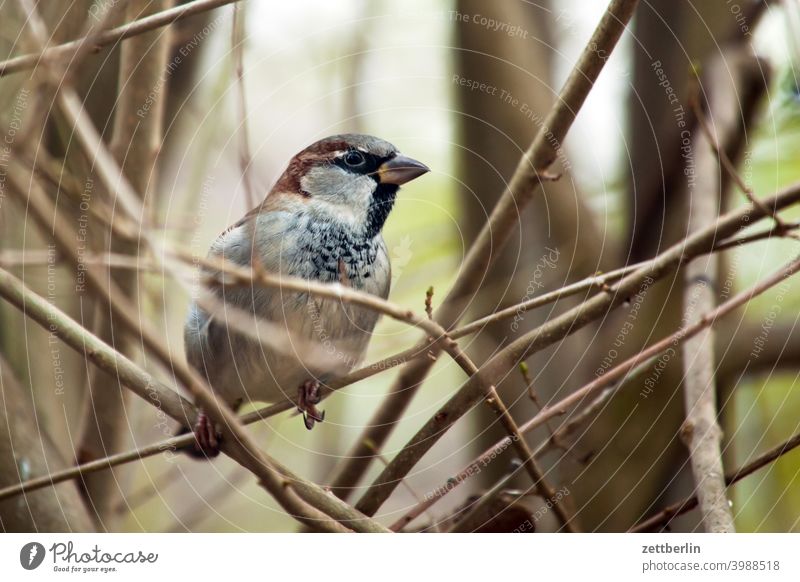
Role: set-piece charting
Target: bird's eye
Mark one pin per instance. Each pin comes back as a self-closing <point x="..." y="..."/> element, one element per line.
<point x="354" y="159"/>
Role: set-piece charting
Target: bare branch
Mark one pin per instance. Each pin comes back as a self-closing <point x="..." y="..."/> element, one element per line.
<point x="495" y="233"/>
<point x="506" y="360"/>
<point x="727" y="164"/>
<point x="291" y="491"/>
<point x="136" y="143"/>
<point x="700" y="431"/>
<point x="239" y="445"/>
<point x="237" y="50"/>
<point x="614" y="377"/>
<point x="731" y="364"/>
<point x="665" y="516"/>
<point x="161" y="19"/>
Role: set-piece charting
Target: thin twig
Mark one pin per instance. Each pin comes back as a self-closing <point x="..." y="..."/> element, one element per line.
<point x="622" y="370"/>
<point x="161" y="19"/>
<point x="526" y="377"/>
<point x="554" y="330"/>
<point x="293" y="496"/>
<point x="666" y="515"/>
<point x="286" y="487"/>
<point x="10" y="259"/>
<point x="495" y="233"/>
<point x="579" y="418"/>
<point x="237" y="50"/>
<point x="614" y="377"/>
<point x="700" y="430"/>
<point x="782" y="228"/>
<point x="406" y="485"/>
<point x="492" y="398"/>
<point x="241" y="446"/>
<point x="471" y="512"/>
<point x="238" y="276"/>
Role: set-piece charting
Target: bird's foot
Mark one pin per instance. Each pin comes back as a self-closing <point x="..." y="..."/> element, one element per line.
<point x="206" y="436"/>
<point x="308" y="396"/>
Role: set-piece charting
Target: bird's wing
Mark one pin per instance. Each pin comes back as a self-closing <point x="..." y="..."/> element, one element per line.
<point x="203" y="334"/>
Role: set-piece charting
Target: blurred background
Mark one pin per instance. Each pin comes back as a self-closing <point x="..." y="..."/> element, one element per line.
<point x="463" y="86"/>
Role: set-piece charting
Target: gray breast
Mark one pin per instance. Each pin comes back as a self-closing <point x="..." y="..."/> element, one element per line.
<point x="291" y="244"/>
<point x="312" y="248"/>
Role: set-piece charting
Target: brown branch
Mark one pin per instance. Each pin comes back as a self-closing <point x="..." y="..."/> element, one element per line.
<point x="31" y="193"/>
<point x="291" y="495"/>
<point x="492" y="398"/>
<point x="599" y="281"/>
<point x="407" y="486"/>
<point x="731" y="364"/>
<point x="237" y="50"/>
<point x="556" y="329"/>
<point x="728" y="165"/>
<point x="292" y="492"/>
<point x="575" y="421"/>
<point x="700" y="430"/>
<point x="773" y="232"/>
<point x="136" y="142"/>
<point x="95" y="350"/>
<point x="619" y="374"/>
<point x="475" y="511"/>
<point x="159" y="20"/>
<point x="12" y="258"/>
<point x="494" y="234"/>
<point x="686" y="332"/>
<point x="666" y="515"/>
<point x="243" y="276"/>
<point x="579" y="418"/>
<point x="239" y="445"/>
<point x="54" y="174"/>
<point x="238" y="276"/>
<point x="526" y="378"/>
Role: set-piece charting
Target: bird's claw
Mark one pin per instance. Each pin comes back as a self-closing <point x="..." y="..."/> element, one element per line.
<point x="310" y="417"/>
<point x="309" y="395"/>
<point x="205" y="435"/>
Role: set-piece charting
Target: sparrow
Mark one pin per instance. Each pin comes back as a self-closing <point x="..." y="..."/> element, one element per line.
<point x="321" y="221"/>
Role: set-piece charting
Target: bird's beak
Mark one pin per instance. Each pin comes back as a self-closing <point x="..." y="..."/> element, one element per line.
<point x="400" y="170"/>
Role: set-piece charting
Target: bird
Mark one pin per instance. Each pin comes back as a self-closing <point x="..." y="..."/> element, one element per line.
<point x="322" y="221"/>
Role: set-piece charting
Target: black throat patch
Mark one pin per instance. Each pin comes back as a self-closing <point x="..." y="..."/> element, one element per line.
<point x="379" y="208"/>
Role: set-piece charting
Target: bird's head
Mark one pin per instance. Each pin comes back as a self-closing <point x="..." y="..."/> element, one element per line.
<point x="350" y="177"/>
